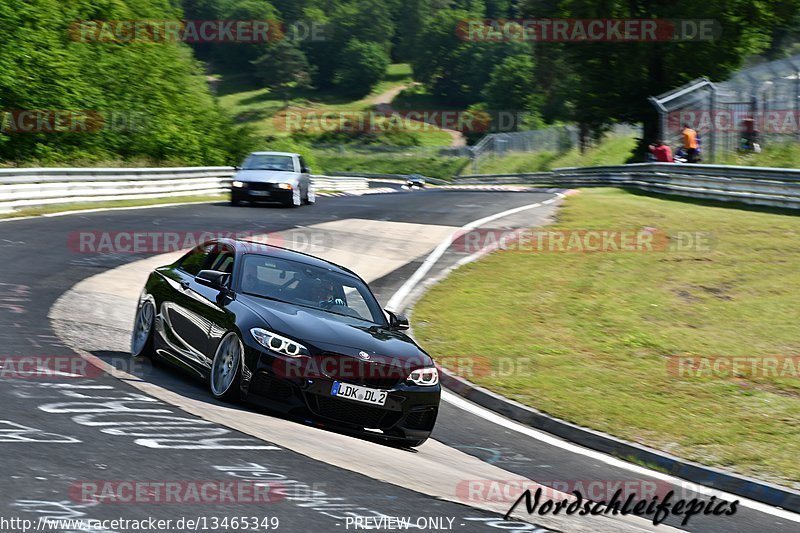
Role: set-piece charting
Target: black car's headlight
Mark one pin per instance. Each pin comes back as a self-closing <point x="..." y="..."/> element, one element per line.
<point x="425" y="377"/>
<point x="278" y="343"/>
<point x="238" y="184"/>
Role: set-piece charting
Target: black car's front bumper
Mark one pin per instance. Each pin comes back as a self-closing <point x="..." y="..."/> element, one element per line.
<point x="409" y="413"/>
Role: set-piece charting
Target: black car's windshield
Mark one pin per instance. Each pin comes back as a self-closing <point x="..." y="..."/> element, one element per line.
<point x="282" y="163"/>
<point x="309" y="286"/>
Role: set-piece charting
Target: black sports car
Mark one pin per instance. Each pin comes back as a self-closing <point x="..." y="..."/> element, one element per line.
<point x="292" y="333"/>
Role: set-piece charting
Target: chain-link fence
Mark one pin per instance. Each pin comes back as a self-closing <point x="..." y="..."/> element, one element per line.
<point x="555" y="139"/>
<point x="390" y="150"/>
<point x="755" y="108"/>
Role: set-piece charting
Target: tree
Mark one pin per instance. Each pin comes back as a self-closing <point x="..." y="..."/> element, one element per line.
<point x="157" y="90"/>
<point x="364" y="67"/>
<point x="454" y="66"/>
<point x="239" y="56"/>
<point x="284" y="68"/>
<point x="368" y="21"/>
<point x="611" y="81"/>
<point x="512" y="87"/>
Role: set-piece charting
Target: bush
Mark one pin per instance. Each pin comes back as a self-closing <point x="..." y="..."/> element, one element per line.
<point x="158" y="89"/>
<point x="432" y="166"/>
<point x="363" y="68"/>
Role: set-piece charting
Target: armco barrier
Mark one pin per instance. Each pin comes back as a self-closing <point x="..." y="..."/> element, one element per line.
<point x="388" y="177"/>
<point x="777" y="187"/>
<point x="27" y="187"/>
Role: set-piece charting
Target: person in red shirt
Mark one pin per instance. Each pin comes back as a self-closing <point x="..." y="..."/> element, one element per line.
<point x="661" y="152"/>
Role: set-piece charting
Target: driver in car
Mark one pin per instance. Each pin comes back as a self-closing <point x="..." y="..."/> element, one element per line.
<point x="327" y="295"/>
<point x="250" y="283"/>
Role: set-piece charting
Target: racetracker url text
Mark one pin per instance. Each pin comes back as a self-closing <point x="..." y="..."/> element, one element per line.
<point x="146" y="525"/>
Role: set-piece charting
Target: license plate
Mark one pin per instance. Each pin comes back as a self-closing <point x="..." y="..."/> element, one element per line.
<point x="260" y="193"/>
<point x="359" y="393"/>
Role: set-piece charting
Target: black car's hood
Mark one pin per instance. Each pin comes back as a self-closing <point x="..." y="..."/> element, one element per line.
<point x="338" y="334"/>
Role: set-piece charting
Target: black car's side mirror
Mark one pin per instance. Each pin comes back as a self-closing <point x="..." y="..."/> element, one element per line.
<point x="213" y="278"/>
<point x="398" y="321"/>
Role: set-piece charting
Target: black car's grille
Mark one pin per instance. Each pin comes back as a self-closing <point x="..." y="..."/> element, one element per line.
<point x="423" y="420"/>
<point x="362" y="415"/>
<point x="367" y="374"/>
<point x="269" y="387"/>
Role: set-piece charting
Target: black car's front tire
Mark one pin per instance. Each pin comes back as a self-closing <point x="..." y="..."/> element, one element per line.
<point x="142" y="337"/>
<point x="226" y="368"/>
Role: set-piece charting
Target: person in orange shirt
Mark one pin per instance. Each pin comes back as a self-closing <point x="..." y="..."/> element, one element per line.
<point x="690" y="143"/>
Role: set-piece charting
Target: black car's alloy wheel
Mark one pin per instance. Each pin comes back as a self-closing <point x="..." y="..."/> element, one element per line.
<point x="142" y="339"/>
<point x="225" y="369"/>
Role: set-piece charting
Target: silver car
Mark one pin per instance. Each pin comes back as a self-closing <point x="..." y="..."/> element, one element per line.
<point x="273" y="177"/>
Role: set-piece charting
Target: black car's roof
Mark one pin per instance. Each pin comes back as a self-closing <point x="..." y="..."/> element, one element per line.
<point x="258" y="248"/>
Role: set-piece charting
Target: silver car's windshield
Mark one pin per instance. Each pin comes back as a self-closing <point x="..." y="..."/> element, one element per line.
<point x="281" y="163"/>
<point x="309" y="286"/>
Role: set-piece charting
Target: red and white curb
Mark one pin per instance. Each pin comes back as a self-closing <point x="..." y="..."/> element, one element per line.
<point x="380" y="190"/>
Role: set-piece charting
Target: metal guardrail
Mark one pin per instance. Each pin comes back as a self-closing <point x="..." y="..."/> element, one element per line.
<point x="390" y="177"/>
<point x="29" y="187"/>
<point x="776" y="187"/>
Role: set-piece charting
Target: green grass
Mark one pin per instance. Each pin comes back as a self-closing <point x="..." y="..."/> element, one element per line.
<point x="432" y="166"/>
<point x="776" y="155"/>
<point x="613" y="150"/>
<point x="586" y="336"/>
<point x="60" y="208"/>
<point x="258" y="106"/>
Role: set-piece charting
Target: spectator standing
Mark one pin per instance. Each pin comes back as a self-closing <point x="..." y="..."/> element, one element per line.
<point x="690" y="143"/>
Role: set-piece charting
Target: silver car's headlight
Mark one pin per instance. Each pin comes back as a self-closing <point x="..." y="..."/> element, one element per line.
<point x="285" y="186"/>
<point x="424" y="377"/>
<point x="277" y="343"/>
<point x="237" y="184"/>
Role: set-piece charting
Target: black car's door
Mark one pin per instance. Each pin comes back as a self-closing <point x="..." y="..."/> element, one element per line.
<point x="184" y="313"/>
<point x="214" y="304"/>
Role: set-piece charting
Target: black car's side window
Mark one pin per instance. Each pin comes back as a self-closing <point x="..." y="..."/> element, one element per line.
<point x="221" y="260"/>
<point x="192" y="263"/>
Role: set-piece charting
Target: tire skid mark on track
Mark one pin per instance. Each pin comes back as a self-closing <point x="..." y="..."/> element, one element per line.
<point x="153" y="423"/>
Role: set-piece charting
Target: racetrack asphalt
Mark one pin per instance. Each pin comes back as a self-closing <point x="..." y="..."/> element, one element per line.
<point x="49" y="453"/>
